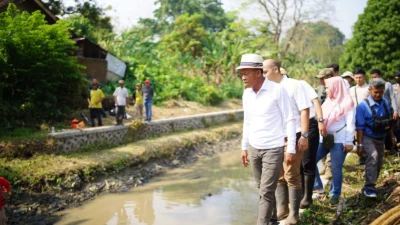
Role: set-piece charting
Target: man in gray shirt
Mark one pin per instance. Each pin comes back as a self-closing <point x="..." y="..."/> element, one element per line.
<point x="388" y="94"/>
<point x="148" y="94"/>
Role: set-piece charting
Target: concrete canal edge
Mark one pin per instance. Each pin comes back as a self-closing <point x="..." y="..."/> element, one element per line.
<point x="78" y="177"/>
<point x="73" y="140"/>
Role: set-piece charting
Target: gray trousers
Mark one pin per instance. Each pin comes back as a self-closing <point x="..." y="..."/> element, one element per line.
<point x="374" y="150"/>
<point x="266" y="164"/>
<point x="120" y="114"/>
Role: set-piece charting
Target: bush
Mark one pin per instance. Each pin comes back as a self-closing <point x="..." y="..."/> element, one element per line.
<point x="232" y="90"/>
<point x="39" y="76"/>
<point x="211" y="95"/>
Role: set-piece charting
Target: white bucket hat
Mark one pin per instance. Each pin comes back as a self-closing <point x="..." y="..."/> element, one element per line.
<point x="251" y="61"/>
<point x="347" y="74"/>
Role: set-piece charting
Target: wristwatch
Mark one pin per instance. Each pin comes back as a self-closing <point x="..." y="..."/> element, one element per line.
<point x="321" y="120"/>
<point x="359" y="145"/>
<point x="304" y="135"/>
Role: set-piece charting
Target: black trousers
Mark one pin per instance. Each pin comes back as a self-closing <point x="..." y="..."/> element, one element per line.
<point x="120" y="114"/>
<point x="95" y="113"/>
<point x="388" y="143"/>
<point x="309" y="164"/>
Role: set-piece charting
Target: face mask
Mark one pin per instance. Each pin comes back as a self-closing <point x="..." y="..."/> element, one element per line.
<point x="398" y="80"/>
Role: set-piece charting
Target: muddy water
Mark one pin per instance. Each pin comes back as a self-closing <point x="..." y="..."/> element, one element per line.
<point x="214" y="190"/>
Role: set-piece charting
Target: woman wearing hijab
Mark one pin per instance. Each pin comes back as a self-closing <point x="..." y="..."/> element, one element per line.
<point x="339" y="120"/>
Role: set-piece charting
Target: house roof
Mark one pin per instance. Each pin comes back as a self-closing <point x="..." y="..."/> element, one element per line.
<point x="31" y="6"/>
<point x="34" y="5"/>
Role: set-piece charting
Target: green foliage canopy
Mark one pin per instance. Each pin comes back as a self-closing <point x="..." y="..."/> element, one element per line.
<point x="213" y="15"/>
<point x="376" y="39"/>
<point x="39" y="76"/>
<point x="86" y="8"/>
<point x="186" y="36"/>
<point x="319" y="42"/>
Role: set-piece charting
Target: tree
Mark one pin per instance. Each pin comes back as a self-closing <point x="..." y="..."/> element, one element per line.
<point x="213" y="15"/>
<point x="186" y="36"/>
<point x="87" y="8"/>
<point x="376" y="39"/>
<point x="39" y="76"/>
<point x="82" y="26"/>
<point x="290" y="13"/>
<point x="319" y="42"/>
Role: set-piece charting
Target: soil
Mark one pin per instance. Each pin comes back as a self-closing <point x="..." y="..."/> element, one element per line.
<point x="39" y="208"/>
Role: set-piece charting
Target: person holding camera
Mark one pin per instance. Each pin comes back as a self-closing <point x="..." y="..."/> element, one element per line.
<point x="373" y="123"/>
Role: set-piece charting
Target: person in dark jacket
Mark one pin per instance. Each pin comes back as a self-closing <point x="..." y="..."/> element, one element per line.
<point x="148" y="94"/>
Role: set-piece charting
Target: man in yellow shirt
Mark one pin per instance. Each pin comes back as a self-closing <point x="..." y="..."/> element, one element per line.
<point x="96" y="97"/>
<point x="138" y="97"/>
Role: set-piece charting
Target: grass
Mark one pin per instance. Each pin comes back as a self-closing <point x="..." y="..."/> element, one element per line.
<point x="357" y="209"/>
<point x="43" y="170"/>
<point x="23" y="134"/>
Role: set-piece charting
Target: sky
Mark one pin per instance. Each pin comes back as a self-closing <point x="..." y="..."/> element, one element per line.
<point x="126" y="13"/>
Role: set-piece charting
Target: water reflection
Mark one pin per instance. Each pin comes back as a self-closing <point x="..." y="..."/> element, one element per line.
<point x="214" y="190"/>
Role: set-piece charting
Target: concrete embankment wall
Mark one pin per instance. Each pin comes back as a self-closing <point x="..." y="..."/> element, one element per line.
<point x="70" y="141"/>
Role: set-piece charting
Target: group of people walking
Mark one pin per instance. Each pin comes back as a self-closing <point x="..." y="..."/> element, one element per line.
<point x="142" y="96"/>
<point x="289" y="127"/>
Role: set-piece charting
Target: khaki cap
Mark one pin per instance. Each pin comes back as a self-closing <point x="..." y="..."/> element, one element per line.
<point x="324" y="72"/>
<point x="347" y="74"/>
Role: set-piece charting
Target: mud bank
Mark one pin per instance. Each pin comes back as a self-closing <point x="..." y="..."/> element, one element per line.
<point x="30" y="206"/>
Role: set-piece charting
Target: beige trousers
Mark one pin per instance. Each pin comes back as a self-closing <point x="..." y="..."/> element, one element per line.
<point x="139" y="111"/>
<point x="290" y="174"/>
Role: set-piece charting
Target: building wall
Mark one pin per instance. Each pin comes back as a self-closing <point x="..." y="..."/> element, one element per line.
<point x="95" y="68"/>
<point x="70" y="141"/>
<point x="112" y="76"/>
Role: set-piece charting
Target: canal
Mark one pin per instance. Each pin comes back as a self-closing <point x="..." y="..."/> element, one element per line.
<point x="214" y="190"/>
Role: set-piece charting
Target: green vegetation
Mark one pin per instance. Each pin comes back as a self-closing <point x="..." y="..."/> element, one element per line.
<point x="39" y="77"/>
<point x="19" y="134"/>
<point x="188" y="49"/>
<point x="356" y="208"/>
<point x="375" y="42"/>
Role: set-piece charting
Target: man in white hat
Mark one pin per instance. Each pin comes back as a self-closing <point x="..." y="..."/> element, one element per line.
<point x="120" y="99"/>
<point x="289" y="185"/>
<point x="267" y="113"/>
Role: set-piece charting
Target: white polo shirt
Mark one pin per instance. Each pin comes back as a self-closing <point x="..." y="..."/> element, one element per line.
<point x="266" y="114"/>
<point x="121" y="94"/>
<point x="312" y="94"/>
<point x="299" y="98"/>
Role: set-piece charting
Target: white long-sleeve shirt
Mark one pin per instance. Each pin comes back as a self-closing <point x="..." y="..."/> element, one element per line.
<point x="346" y="135"/>
<point x="266" y="114"/>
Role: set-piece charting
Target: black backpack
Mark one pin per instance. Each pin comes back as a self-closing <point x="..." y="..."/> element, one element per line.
<point x="382" y="124"/>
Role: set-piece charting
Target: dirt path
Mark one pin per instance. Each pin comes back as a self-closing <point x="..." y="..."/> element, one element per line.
<point x="175" y="108"/>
